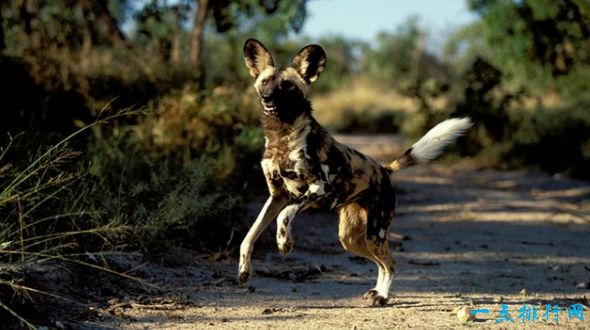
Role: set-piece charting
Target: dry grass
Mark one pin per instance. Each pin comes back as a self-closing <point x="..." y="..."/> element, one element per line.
<point x="548" y="100"/>
<point x="55" y="206"/>
<point x="363" y="105"/>
<point x="359" y="96"/>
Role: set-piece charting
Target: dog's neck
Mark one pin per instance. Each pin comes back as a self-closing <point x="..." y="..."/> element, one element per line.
<point x="286" y="122"/>
<point x="280" y="135"/>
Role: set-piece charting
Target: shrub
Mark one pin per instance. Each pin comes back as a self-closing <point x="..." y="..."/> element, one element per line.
<point x="557" y="141"/>
<point x="117" y="195"/>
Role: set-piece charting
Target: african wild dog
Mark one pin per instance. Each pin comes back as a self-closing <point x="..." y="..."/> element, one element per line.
<point x="306" y="168"/>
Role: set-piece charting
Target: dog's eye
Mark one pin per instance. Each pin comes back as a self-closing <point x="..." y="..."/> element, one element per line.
<point x="264" y="81"/>
<point x="288" y="85"/>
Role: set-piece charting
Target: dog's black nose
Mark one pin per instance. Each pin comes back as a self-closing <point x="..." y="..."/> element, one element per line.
<point x="266" y="97"/>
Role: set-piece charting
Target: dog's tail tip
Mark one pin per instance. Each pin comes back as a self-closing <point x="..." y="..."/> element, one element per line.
<point x="432" y="143"/>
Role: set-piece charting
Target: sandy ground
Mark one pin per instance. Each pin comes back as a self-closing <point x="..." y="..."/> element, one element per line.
<point x="463" y="237"/>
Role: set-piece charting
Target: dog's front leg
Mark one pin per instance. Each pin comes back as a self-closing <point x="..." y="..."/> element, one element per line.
<point x="272" y="207"/>
<point x="284" y="241"/>
<point x="316" y="190"/>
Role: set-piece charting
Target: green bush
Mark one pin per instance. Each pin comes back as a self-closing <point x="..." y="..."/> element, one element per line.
<point x="171" y="175"/>
<point x="557" y="141"/>
<point x="174" y="175"/>
<point x="368" y="122"/>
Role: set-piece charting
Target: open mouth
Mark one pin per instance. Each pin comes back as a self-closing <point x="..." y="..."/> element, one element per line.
<point x="269" y="108"/>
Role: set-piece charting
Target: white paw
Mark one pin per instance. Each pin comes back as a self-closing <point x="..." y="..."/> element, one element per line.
<point x="285" y="245"/>
<point x="244" y="273"/>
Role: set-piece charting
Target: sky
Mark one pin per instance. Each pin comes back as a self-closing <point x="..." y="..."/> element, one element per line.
<point x="363" y="19"/>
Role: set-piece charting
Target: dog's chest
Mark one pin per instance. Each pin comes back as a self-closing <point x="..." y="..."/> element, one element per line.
<point x="284" y="177"/>
<point x="287" y="163"/>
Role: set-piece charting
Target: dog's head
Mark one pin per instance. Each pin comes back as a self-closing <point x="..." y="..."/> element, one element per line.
<point x="282" y="89"/>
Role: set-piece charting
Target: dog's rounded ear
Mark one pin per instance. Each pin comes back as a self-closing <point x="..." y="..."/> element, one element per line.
<point x="310" y="62"/>
<point x="256" y="57"/>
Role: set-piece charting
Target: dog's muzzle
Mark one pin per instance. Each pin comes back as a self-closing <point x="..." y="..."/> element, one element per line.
<point x="269" y="109"/>
<point x="268" y="104"/>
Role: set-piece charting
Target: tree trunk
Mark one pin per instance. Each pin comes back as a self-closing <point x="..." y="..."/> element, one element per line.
<point x="104" y="23"/>
<point x="197" y="38"/>
<point x="86" y="47"/>
<point x="24" y="15"/>
<point x="2" y="43"/>
<point x="175" y="42"/>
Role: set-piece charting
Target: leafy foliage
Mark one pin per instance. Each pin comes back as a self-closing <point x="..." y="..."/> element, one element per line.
<point x="542" y="42"/>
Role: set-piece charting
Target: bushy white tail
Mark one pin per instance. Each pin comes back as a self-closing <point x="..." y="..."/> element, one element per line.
<point x="432" y="143"/>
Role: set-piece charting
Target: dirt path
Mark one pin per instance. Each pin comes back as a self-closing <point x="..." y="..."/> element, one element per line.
<point x="462" y="237"/>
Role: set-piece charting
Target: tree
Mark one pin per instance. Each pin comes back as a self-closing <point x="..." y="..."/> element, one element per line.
<point x="197" y="35"/>
<point x="33" y="27"/>
<point x="2" y="43"/>
<point x="343" y="58"/>
<point x="173" y="31"/>
<point x="401" y="58"/>
<point x="160" y="27"/>
<point x="269" y="18"/>
<point x="544" y="42"/>
<point x="101" y="22"/>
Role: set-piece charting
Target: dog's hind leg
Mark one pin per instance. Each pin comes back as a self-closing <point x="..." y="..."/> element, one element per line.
<point x="352" y="231"/>
<point x="272" y="207"/>
<point x="377" y="244"/>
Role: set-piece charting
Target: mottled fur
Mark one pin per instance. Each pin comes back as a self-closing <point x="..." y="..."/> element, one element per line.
<point x="305" y="167"/>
